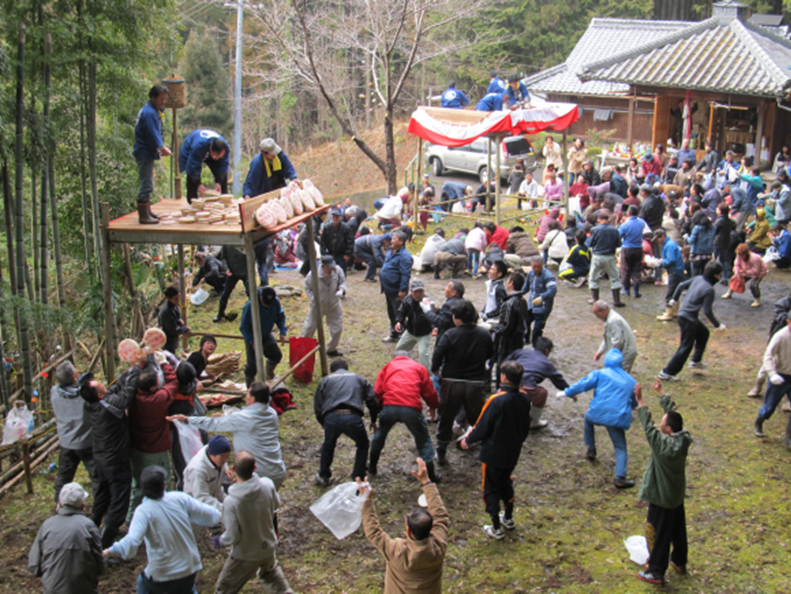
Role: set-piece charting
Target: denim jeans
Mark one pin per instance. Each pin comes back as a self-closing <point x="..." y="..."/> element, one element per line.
<point x="618" y="438"/>
<point x="145" y="170"/>
<point x="774" y="394"/>
<point x="146" y="585"/>
<point x="352" y="426"/>
<point x="725" y="258"/>
<point x="473" y="260"/>
<point x="416" y="424"/>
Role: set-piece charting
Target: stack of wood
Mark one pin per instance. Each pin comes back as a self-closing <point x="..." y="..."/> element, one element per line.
<point x="224" y="363"/>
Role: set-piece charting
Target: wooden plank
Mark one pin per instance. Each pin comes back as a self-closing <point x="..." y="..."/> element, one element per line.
<point x="248" y="207"/>
<point x="661" y="128"/>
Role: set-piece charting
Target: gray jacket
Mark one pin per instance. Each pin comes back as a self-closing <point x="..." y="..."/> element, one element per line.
<point x="203" y="480"/>
<point x="249" y="519"/>
<point x="67" y="554"/>
<point x="344" y="389"/>
<point x="255" y="429"/>
<point x="618" y="335"/>
<point x="74" y="422"/>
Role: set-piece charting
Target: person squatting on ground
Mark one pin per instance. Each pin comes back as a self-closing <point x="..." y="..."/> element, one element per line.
<point x="339" y="404"/>
<point x="332" y="289"/>
<point x="612" y="404"/>
<point x="664" y="487"/>
<point x="502" y="429"/>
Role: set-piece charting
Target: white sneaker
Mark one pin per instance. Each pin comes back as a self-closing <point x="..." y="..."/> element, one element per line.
<point x="492" y="533"/>
<point x="667" y="377"/>
<point x="698" y="365"/>
<point x="457" y="429"/>
<point x="507" y="524"/>
<point x="389" y="338"/>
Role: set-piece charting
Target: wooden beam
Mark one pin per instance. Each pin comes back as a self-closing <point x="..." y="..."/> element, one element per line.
<point x="630" y="132"/>
<point x="255" y="314"/>
<point x="108" y="294"/>
<point x="711" y="120"/>
<point x="314" y="272"/>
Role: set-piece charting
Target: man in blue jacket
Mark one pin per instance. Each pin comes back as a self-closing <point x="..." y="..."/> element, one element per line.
<point x="631" y="231"/>
<point x="270" y="170"/>
<point x="782" y="241"/>
<point x="492" y="102"/>
<point x="539" y="290"/>
<point x="394" y="279"/>
<point x="496" y="84"/>
<point x="149" y="146"/>
<point x="673" y="262"/>
<point x="516" y="91"/>
<point x="271" y="314"/>
<point x="204" y="146"/>
<point x="612" y="404"/>
<point x="454" y="99"/>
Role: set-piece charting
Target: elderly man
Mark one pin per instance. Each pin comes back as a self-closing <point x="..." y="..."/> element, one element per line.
<point x="211" y="271"/>
<point x="685" y="153"/>
<point x="370" y="249"/>
<point x="414" y="563"/>
<point x="401" y="388"/>
<point x="332" y="288"/>
<point x="339" y="404"/>
<point x="269" y="170"/>
<point x="442" y="318"/>
<point x="539" y="289"/>
<point x="204" y="474"/>
<point x="255" y="429"/>
<point x="617" y="335"/>
<point x="337" y="240"/>
<point x="199" y="147"/>
<point x="67" y="552"/>
<point x="164" y="521"/>
<point x="394" y="279"/>
<point x="74" y="427"/>
<point x="250" y="519"/>
<point x="149" y="147"/>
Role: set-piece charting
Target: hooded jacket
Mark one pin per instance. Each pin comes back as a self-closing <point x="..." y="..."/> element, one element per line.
<point x="760" y="235"/>
<point x="249" y="519"/>
<point x="203" y="480"/>
<point x="543" y="223"/>
<point x="74" y="421"/>
<point x="613" y="393"/>
<point x="664" y="482"/>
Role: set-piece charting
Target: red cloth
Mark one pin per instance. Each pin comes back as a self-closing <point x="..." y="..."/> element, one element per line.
<point x="403" y="382"/>
<point x="148" y="429"/>
<point x="500" y="237"/>
<point x="282" y="401"/>
<point x="654" y="166"/>
<point x="579" y="187"/>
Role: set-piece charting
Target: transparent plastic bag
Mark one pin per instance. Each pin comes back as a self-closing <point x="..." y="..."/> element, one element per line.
<point x="189" y="439"/>
<point x="199" y="296"/>
<point x="638" y="549"/>
<point x="340" y="510"/>
<point x="18" y="425"/>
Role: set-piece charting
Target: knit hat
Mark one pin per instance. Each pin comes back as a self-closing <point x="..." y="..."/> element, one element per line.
<point x="72" y="495"/>
<point x="270" y="147"/>
<point x="218" y="445"/>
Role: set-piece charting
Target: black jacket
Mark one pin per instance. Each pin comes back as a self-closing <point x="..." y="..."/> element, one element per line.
<point x="592" y="177"/>
<point x="234" y="260"/>
<point x="337" y="241"/>
<point x="111" y="445"/>
<point x="618" y="185"/>
<point x="502" y="427"/>
<point x="169" y="316"/>
<point x="411" y="316"/>
<point x="212" y="270"/>
<point x="442" y="319"/>
<point x="604" y="240"/>
<point x="722" y="233"/>
<point x="509" y="332"/>
<point x="652" y="211"/>
<point x="346" y="390"/>
<point x="462" y="353"/>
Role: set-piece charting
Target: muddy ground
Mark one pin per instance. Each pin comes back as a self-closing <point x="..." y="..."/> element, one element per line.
<point x="571" y="521"/>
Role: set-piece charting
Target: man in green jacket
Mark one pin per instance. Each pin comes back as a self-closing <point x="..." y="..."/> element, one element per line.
<point x="664" y="486"/>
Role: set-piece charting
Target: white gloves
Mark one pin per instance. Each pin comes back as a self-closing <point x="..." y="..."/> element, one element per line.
<point x="721" y="327"/>
<point x="339" y="293"/>
<point x="776" y="379"/>
<point x="561" y="394"/>
<point x="537" y="301"/>
<point x="160" y="357"/>
<point x="671" y="303"/>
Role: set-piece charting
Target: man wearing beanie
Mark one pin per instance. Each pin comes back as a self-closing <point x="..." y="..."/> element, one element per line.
<point x="203" y="475"/>
<point x="269" y="170"/>
<point x="67" y="552"/>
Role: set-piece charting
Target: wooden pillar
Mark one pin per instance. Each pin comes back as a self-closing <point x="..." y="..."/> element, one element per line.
<point x="108" y="294"/>
<point x="175" y="157"/>
<point x="630" y="133"/>
<point x="711" y="120"/>
<point x="252" y="277"/>
<point x="26" y="466"/>
<point x="759" y="134"/>
<point x="497" y="187"/>
<point x="314" y="273"/>
<point x="185" y="339"/>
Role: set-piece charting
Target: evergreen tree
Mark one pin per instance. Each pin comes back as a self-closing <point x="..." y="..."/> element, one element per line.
<point x="208" y="86"/>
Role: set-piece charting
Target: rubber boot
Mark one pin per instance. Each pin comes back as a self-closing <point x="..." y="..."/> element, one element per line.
<point x="675" y="310"/>
<point x="372" y="464"/>
<point x="432" y="474"/>
<point x="667" y="316"/>
<point x="151" y="213"/>
<point x="759" y="426"/>
<point x="535" y="418"/>
<point x="616" y="298"/>
<point x="144" y="216"/>
<point x="442" y="448"/>
<point x="270" y="370"/>
<point x="637" y="291"/>
<point x="248" y="380"/>
<point x="787" y="440"/>
<point x="108" y="537"/>
<point x="594" y="296"/>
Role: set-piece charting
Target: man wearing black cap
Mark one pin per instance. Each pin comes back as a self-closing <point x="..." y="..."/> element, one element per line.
<point x="371" y="249"/>
<point x="271" y="313"/>
<point x="337" y="240"/>
<point x="269" y="170"/>
<point x="332" y="288"/>
<point x="204" y="474"/>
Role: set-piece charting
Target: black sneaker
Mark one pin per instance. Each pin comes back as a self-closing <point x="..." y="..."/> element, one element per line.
<point x="591" y="454"/>
<point x="335" y="353"/>
<point x="219" y="319"/>
<point x="623" y="483"/>
<point x="232" y="316"/>
<point x="651" y="578"/>
<point x="322" y="481"/>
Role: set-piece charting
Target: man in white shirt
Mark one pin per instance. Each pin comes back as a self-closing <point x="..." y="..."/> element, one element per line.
<point x="777" y="364"/>
<point x="530" y="189"/>
<point x="203" y="475"/>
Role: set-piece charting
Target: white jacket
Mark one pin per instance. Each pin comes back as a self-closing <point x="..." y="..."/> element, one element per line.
<point x="777" y="357"/>
<point x="203" y="480"/>
<point x="555" y="242"/>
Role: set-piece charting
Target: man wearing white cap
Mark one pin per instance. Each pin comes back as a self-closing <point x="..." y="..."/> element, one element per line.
<point x="67" y="552"/>
<point x="270" y="170"/>
<point x="332" y="288"/>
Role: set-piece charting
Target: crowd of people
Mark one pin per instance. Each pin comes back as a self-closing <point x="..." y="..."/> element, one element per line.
<point x="477" y="372"/>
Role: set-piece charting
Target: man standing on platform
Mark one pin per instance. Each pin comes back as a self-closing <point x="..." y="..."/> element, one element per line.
<point x="204" y="146"/>
<point x="149" y="146"/>
<point x="269" y="170"/>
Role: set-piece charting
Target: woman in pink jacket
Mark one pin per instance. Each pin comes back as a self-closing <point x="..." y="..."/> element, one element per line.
<point x="749" y="267"/>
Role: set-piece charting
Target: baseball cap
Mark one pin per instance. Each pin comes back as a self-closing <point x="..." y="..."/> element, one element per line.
<point x="336" y="211"/>
<point x="417" y="284"/>
<point x="327" y="260"/>
<point x="270" y="147"/>
<point x="72" y="495"/>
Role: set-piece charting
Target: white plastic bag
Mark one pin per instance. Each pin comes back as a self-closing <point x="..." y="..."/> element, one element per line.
<point x="189" y="439"/>
<point x="638" y="549"/>
<point x="340" y="510"/>
<point x="199" y="296"/>
<point x="18" y="425"/>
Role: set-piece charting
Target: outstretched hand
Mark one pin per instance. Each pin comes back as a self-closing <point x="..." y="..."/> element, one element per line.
<point x="638" y="395"/>
<point x="422" y="471"/>
<point x="179" y="418"/>
<point x="364" y="487"/>
<point x="658" y="386"/>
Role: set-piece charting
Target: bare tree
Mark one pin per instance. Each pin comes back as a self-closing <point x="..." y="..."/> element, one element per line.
<point x="320" y="43"/>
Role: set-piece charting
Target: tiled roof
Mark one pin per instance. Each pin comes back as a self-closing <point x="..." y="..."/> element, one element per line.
<point x="719" y="55"/>
<point x="602" y="39"/>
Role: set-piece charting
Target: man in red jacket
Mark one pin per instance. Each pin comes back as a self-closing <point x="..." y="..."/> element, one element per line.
<point x="496" y="234"/>
<point x="399" y="388"/>
<point x="149" y="432"/>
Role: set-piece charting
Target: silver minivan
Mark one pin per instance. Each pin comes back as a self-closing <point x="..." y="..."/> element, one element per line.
<point x="472" y="157"/>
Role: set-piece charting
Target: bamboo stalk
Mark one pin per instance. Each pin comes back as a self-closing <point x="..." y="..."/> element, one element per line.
<point x="7" y="487"/>
<point x="280" y="379"/>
